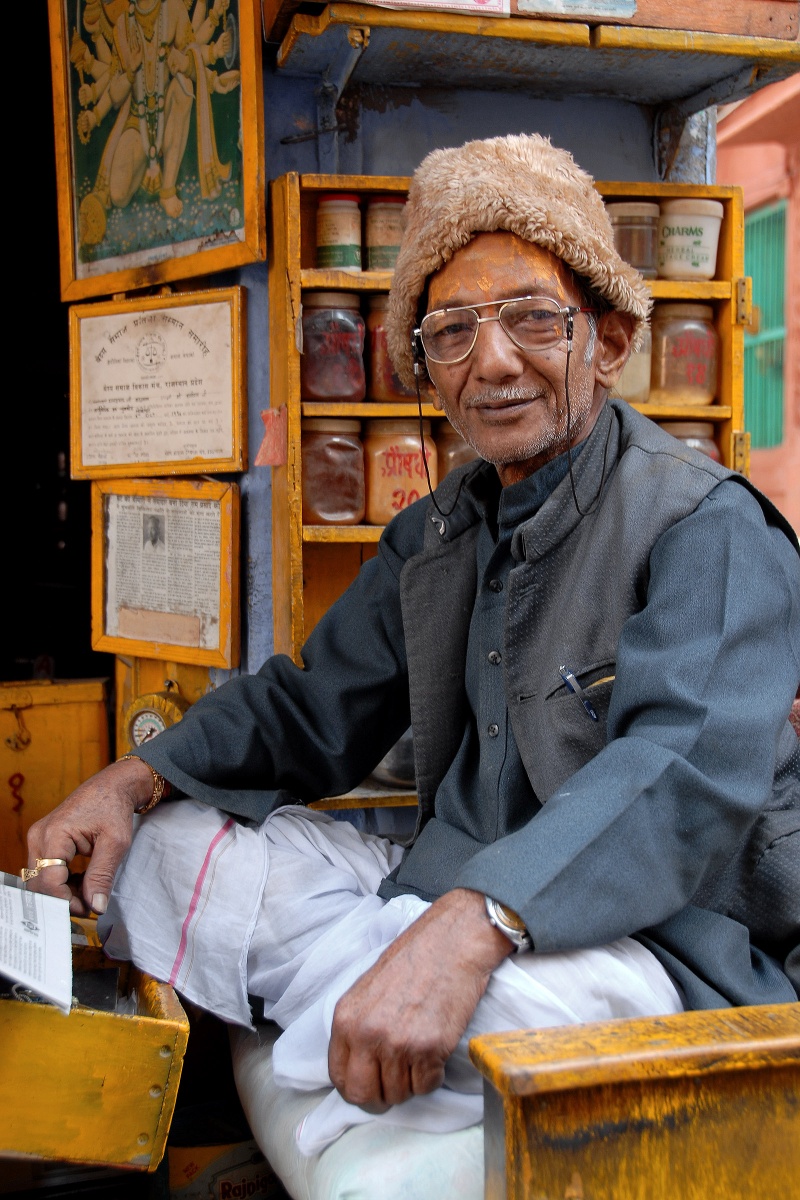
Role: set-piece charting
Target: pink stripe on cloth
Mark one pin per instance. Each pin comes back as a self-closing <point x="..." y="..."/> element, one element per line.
<point x="198" y="887"/>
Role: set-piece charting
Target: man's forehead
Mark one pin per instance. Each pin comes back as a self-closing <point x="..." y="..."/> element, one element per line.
<point x="493" y="264"/>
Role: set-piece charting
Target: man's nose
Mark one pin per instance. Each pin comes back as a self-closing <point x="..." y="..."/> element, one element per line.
<point x="496" y="356"/>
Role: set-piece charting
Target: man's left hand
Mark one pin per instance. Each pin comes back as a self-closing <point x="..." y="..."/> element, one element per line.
<point x="396" y="1027"/>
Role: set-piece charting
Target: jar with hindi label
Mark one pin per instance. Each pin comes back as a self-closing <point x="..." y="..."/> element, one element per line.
<point x="332" y="361"/>
<point x="339" y="231"/>
<point x="384" y="230"/>
<point x="451" y="449"/>
<point x="685" y="353"/>
<point x="383" y="384"/>
<point x="688" y="237"/>
<point x="333" y="471"/>
<point x="697" y="434"/>
<point x="633" y="384"/>
<point x="635" y="226"/>
<point x="394" y="467"/>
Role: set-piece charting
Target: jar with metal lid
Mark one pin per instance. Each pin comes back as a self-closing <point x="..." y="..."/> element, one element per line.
<point x="332" y="455"/>
<point x="383" y="384"/>
<point x="332" y="362"/>
<point x="685" y="353"/>
<point x="451" y="449"/>
<point x="633" y="384"/>
<point x="394" y="467"/>
<point x="635" y="226"/>
<point x="339" y="231"/>
<point x="697" y="434"/>
<point x="688" y="237"/>
<point x="384" y="230"/>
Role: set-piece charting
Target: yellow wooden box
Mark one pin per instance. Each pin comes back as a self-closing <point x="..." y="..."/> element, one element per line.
<point x="53" y="735"/>
<point x="92" y="1087"/>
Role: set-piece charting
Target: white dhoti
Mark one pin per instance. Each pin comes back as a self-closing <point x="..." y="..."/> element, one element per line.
<point x="287" y="912"/>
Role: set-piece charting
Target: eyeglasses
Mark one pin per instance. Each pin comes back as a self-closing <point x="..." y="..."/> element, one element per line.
<point x="448" y="335"/>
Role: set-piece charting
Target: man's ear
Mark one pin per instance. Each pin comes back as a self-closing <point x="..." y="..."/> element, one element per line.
<point x="614" y="337"/>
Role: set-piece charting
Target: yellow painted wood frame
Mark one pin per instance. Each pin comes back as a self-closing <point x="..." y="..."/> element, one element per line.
<point x="177" y="260"/>
<point x="129" y="310"/>
<point x="226" y="495"/>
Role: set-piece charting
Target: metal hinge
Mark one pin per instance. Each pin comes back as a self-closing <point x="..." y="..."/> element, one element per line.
<point x="741" y="452"/>
<point x="743" y="295"/>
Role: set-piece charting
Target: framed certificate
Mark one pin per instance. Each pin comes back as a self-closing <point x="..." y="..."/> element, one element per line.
<point x="158" y="113"/>
<point x="157" y="385"/>
<point x="165" y="570"/>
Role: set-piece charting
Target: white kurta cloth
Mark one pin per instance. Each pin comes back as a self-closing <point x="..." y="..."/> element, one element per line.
<point x="287" y="911"/>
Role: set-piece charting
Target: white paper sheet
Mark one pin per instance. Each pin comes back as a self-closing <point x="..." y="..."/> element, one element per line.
<point x="35" y="943"/>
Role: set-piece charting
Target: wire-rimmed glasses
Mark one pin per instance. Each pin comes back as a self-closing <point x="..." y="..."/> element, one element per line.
<point x="448" y="335"/>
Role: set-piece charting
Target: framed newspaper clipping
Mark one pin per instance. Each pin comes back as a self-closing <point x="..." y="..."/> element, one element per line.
<point x="165" y="570"/>
<point x="158" y="113"/>
<point x="157" y="385"/>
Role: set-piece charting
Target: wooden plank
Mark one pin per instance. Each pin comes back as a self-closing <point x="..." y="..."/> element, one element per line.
<point x="682" y="41"/>
<point x="341" y="534"/>
<point x="747" y="18"/>
<point x="689" y="412"/>
<point x="580" y="1056"/>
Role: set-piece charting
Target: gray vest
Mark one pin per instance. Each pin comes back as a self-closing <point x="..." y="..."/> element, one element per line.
<point x="578" y="579"/>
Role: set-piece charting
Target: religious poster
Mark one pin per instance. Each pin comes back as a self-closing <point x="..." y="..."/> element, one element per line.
<point x="158" y="116"/>
<point x="157" y="385"/>
<point x="165" y="570"/>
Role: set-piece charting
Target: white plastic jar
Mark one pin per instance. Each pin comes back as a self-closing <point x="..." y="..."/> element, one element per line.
<point x="339" y="231"/>
<point x="688" y="237"/>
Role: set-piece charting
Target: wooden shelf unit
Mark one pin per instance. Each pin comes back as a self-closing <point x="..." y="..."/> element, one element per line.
<point x="313" y="564"/>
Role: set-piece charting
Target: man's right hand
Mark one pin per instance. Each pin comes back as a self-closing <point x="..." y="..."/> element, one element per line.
<point x="96" y="819"/>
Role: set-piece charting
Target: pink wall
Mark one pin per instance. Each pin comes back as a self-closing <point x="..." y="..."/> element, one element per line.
<point x="758" y="148"/>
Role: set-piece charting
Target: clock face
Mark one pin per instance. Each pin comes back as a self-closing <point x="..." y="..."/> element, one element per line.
<point x="145" y="724"/>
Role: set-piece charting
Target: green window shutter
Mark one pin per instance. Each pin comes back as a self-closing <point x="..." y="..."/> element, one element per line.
<point x="765" y="261"/>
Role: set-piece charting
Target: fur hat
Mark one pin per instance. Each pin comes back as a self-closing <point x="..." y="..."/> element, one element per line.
<point x="520" y="183"/>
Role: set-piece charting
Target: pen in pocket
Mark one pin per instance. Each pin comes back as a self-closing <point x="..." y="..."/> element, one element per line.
<point x="573" y="686"/>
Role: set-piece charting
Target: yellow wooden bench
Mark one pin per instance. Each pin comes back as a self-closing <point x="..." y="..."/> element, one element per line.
<point x="695" y="1106"/>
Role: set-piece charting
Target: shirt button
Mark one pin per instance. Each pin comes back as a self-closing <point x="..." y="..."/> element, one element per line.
<point x="493" y="730"/>
<point x="494" y="657"/>
<point x="495" y="585"/>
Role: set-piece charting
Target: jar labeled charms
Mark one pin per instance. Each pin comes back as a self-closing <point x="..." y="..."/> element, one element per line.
<point x="395" y="470"/>
<point x="688" y="236"/>
<point x="333" y="471"/>
<point x="332" y="362"/>
<point x="685" y="351"/>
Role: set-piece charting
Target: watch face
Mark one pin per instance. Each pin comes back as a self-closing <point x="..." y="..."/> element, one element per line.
<point x="145" y="725"/>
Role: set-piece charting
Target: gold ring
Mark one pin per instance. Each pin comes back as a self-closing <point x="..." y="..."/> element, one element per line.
<point x="31" y="872"/>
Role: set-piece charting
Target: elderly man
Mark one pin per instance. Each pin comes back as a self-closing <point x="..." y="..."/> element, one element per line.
<point x="595" y="634"/>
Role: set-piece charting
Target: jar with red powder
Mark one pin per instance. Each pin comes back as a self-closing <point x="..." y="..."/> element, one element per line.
<point x="332" y="362"/>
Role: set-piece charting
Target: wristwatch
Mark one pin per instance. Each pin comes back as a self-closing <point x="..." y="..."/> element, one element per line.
<point x="509" y="923"/>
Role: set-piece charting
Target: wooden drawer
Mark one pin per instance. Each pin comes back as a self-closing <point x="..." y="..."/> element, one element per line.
<point x="92" y="1087"/>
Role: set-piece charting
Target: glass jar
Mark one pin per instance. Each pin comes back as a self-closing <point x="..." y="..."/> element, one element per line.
<point x="333" y="471"/>
<point x="633" y="384"/>
<point x="395" y="471"/>
<point x="384" y="386"/>
<point x="384" y="230"/>
<point x="635" y="226"/>
<point x="451" y="449"/>
<point x="688" y="236"/>
<point x="697" y="434"/>
<point x="332" y="362"/>
<point x="685" y="353"/>
<point x="339" y="231"/>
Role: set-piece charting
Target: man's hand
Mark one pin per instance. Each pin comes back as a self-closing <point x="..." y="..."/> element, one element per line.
<point x="396" y="1027"/>
<point x="96" y="819"/>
